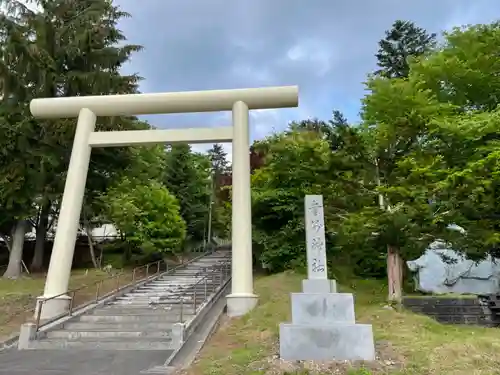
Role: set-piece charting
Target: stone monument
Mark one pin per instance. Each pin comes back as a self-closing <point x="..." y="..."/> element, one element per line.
<point x="323" y="325"/>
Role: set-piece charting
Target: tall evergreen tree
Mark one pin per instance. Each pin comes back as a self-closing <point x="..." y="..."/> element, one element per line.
<point x="188" y="178"/>
<point x="403" y="41"/>
<point x="218" y="158"/>
<point x="65" y="48"/>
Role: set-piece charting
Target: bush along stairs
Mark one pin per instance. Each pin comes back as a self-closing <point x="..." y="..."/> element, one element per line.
<point x="155" y="315"/>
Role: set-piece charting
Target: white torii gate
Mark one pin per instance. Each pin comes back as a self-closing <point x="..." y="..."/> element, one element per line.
<point x="87" y="108"/>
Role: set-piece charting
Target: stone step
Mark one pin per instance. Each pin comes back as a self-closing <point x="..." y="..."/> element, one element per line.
<point x="144" y="293"/>
<point x="155" y="298"/>
<point x="169" y="308"/>
<point x="131" y="310"/>
<point x="177" y="290"/>
<point x="182" y="282"/>
<point x="214" y="263"/>
<point x="160" y="370"/>
<point x="151" y="302"/>
<point x="127" y="318"/>
<point x="157" y="305"/>
<point x="175" y="286"/>
<point x="140" y="310"/>
<point x="105" y="334"/>
<point x="169" y="291"/>
<point x="154" y="301"/>
<point x="110" y="325"/>
<point x="158" y="301"/>
<point x="104" y="344"/>
<point x="178" y="277"/>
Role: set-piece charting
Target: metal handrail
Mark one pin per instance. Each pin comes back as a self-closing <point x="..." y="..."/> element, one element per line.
<point x="224" y="268"/>
<point x="98" y="284"/>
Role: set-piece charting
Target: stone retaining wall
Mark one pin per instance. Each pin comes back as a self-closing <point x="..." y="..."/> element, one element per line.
<point x="453" y="310"/>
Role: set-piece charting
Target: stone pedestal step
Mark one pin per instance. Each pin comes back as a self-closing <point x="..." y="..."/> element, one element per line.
<point x="321" y="342"/>
<point x="322" y="308"/>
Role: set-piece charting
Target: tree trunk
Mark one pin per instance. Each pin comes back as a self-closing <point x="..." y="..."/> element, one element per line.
<point x="16" y="254"/>
<point x="394" y="275"/>
<point x="41" y="234"/>
<point x="90" y="240"/>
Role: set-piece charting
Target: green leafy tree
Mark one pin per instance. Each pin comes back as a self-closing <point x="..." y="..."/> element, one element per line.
<point x="147" y="164"/>
<point x="147" y="215"/>
<point x="459" y="161"/>
<point x="298" y="163"/>
<point x="396" y="115"/>
<point x="464" y="191"/>
<point x="464" y="71"/>
<point x="295" y="165"/>
<point x="428" y="141"/>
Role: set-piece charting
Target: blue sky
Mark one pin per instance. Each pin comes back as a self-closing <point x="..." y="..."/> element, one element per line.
<point x="326" y="47"/>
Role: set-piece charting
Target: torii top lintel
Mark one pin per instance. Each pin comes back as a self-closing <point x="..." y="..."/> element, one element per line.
<point x="170" y="102"/>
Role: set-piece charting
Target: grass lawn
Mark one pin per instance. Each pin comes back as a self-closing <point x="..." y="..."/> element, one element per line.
<point x="18" y="297"/>
<point x="407" y="343"/>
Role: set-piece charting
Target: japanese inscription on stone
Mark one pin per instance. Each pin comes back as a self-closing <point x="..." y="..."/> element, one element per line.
<point x="315" y="237"/>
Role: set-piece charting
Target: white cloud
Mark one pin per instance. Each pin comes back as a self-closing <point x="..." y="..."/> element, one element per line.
<point x="315" y="53"/>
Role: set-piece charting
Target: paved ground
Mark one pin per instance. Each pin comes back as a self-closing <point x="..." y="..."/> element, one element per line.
<point x="71" y="362"/>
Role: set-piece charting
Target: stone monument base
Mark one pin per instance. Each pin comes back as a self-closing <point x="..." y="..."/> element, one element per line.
<point x="319" y="286"/>
<point x="315" y="342"/>
<point x="323" y="327"/>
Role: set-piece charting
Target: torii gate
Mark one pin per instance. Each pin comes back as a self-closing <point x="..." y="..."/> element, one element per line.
<point x="87" y="108"/>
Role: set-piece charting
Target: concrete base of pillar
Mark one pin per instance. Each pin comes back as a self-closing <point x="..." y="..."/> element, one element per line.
<point x="239" y="304"/>
<point x="52" y="308"/>
<point x="26" y="335"/>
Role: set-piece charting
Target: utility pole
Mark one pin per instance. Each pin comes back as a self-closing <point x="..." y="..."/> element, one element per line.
<point x="209" y="235"/>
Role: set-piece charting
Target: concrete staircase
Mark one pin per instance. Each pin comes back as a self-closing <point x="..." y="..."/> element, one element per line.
<point x="152" y="316"/>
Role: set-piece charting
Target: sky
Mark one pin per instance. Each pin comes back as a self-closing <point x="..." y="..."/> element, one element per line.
<point x="326" y="47"/>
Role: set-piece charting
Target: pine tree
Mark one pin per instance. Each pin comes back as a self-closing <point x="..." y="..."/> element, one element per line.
<point x="218" y="158"/>
<point x="403" y="41"/>
<point x="188" y="178"/>
<point x="64" y="48"/>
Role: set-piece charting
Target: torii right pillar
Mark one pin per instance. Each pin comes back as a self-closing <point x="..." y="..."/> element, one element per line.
<point x="242" y="298"/>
